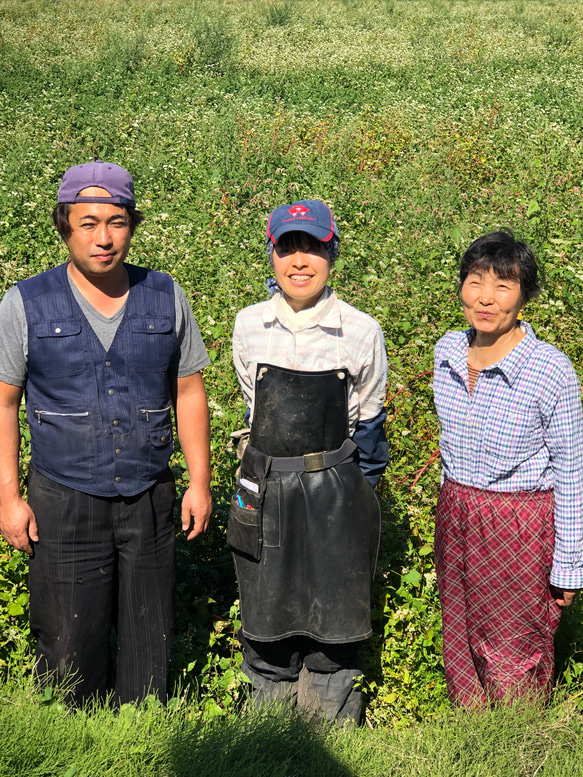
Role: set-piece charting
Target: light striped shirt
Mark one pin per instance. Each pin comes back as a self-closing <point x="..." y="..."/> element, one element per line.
<point x="520" y="430"/>
<point x="331" y="335"/>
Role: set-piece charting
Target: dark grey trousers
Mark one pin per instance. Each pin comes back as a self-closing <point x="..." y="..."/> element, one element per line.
<point x="315" y="676"/>
<point x="103" y="562"/>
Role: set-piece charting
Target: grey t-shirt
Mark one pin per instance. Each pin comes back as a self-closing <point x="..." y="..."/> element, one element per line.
<point x="192" y="355"/>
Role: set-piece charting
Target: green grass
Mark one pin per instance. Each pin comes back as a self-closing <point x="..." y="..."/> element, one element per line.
<point x="423" y="125"/>
<point x="39" y="736"/>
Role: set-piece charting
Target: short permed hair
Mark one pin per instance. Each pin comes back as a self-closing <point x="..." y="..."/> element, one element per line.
<point x="509" y="258"/>
<point x="61" y="219"/>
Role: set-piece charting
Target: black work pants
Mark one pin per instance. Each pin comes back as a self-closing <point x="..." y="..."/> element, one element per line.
<point x="103" y="562"/>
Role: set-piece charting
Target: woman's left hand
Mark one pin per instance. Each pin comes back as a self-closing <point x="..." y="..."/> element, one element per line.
<point x="563" y="597"/>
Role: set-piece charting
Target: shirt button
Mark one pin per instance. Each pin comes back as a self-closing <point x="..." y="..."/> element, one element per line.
<point x="111" y="392"/>
<point x="116" y="422"/>
<point x="58" y="330"/>
<point x="118" y="450"/>
<point x="108" y="364"/>
<point x="118" y="479"/>
<point x="162" y="439"/>
<point x="151" y="326"/>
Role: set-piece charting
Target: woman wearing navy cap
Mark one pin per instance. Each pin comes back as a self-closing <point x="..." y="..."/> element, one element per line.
<point x="305" y="522"/>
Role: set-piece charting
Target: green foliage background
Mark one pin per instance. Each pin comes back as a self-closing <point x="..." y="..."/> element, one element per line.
<point x="422" y="124"/>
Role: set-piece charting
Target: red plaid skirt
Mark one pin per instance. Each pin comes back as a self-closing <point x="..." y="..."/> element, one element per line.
<point x="493" y="556"/>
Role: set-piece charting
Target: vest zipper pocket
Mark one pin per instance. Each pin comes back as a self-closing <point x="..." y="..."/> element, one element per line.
<point x="40" y="413"/>
<point x="147" y="412"/>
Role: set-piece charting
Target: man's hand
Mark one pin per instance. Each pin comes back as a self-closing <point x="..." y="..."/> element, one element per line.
<point x="17" y="521"/>
<point x="192" y="424"/>
<point x="18" y="525"/>
<point x="562" y="596"/>
<point x="197" y="506"/>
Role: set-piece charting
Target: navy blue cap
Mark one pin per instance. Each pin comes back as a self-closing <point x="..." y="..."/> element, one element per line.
<point x="310" y="216"/>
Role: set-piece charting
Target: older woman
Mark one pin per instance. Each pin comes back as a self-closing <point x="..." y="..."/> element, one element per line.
<point x="509" y="523"/>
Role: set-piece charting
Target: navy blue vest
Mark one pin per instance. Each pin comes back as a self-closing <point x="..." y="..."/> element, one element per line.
<point x="100" y="422"/>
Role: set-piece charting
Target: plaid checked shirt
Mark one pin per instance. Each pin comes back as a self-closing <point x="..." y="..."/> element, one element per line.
<point x="521" y="430"/>
<point x="328" y="336"/>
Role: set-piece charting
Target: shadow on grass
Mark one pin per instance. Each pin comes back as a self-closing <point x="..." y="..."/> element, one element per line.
<point x="267" y="744"/>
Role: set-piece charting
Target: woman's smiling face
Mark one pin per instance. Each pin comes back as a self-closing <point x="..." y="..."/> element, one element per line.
<point x="491" y="304"/>
<point x="302" y="270"/>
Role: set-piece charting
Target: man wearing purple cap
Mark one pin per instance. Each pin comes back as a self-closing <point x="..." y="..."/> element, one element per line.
<point x="103" y="350"/>
<point x="304" y="523"/>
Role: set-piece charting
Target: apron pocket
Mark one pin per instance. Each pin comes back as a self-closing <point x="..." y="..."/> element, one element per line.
<point x="244" y="530"/>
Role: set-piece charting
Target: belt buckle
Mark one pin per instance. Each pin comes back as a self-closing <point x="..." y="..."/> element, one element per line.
<point x="314" y="462"/>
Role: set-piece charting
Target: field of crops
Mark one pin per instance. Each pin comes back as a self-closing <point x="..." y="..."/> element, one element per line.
<point x="422" y="124"/>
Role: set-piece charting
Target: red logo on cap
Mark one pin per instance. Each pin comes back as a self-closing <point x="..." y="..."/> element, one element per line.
<point x="298" y="210"/>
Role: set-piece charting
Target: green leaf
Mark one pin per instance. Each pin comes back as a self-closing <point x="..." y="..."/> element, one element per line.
<point x="425" y="550"/>
<point x="339" y="265"/>
<point x="533" y="207"/>
<point x="413" y="576"/>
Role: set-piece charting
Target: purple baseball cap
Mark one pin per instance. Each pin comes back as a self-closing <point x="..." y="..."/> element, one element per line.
<point x="310" y="216"/>
<point x="115" y="179"/>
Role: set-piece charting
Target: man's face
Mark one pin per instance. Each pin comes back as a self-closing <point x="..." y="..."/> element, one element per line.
<point x="100" y="235"/>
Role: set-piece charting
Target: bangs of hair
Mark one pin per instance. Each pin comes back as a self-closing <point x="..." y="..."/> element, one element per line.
<point x="505" y="267"/>
<point x="299" y="240"/>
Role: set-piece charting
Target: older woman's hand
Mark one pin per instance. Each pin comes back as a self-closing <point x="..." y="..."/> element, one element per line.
<point x="563" y="597"/>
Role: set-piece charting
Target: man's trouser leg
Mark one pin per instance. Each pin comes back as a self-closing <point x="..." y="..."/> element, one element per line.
<point x="144" y="534"/>
<point x="85" y="542"/>
<point x="71" y="578"/>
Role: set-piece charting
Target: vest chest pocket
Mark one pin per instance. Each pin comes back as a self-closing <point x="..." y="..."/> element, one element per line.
<point x="56" y="348"/>
<point x="152" y="343"/>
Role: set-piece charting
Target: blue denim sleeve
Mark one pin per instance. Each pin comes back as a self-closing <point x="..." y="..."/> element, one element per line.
<point x="373" y="448"/>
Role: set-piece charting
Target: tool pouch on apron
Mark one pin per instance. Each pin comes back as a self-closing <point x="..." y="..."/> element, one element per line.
<point x="244" y="532"/>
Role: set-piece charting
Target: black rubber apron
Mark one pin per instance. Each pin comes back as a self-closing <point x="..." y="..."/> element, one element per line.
<point x="320" y="529"/>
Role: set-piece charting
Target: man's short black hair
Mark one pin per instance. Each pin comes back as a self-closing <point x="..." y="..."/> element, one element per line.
<point x="508" y="258"/>
<point x="61" y="219"/>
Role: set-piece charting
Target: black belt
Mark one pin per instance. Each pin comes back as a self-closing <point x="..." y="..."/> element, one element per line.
<point x="314" y="462"/>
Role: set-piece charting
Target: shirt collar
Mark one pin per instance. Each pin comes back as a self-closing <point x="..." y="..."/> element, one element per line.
<point x="326" y="313"/>
<point x="510" y="366"/>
